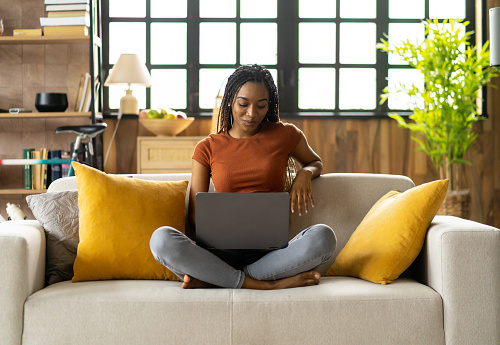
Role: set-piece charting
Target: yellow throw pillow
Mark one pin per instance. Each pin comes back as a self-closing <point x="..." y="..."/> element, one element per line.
<point x="391" y="235"/>
<point x="117" y="218"/>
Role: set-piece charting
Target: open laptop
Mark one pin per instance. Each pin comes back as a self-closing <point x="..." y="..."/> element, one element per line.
<point x="242" y="220"/>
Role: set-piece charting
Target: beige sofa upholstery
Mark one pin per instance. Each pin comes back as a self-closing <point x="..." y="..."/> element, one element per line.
<point x="450" y="295"/>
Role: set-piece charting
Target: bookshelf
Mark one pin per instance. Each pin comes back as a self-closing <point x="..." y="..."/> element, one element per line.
<point x="21" y="85"/>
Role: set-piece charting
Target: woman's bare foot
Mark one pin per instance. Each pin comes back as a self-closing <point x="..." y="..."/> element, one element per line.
<point x="299" y="280"/>
<point x="193" y="283"/>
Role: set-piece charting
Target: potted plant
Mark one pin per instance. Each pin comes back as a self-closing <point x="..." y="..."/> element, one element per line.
<point x="445" y="108"/>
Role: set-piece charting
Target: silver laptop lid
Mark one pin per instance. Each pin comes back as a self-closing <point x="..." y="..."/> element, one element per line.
<point x="242" y="220"/>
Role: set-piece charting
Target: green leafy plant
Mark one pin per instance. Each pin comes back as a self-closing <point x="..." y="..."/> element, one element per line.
<point x="445" y="108"/>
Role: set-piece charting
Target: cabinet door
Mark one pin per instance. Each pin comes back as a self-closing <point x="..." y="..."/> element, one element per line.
<point x="165" y="154"/>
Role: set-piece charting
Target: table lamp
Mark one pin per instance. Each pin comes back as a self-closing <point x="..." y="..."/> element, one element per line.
<point x="495" y="36"/>
<point x="129" y="70"/>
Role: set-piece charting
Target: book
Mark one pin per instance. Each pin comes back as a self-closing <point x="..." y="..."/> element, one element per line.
<point x="27" y="169"/>
<point x="57" y="2"/>
<point x="76" y="30"/>
<point x="65" y="21"/>
<point x="80" y="91"/>
<point x="86" y="86"/>
<point x="36" y="172"/>
<point x="55" y="169"/>
<point x="86" y="93"/>
<point x="65" y="167"/>
<point x="44" y="154"/>
<point x="27" y="32"/>
<point x="68" y="7"/>
<point x="58" y="14"/>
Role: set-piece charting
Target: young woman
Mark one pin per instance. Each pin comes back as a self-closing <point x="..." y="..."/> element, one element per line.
<point x="250" y="153"/>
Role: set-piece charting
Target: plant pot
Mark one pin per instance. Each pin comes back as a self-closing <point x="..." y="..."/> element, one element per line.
<point x="456" y="203"/>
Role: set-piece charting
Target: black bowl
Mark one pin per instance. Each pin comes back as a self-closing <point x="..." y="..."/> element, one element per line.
<point x="51" y="102"/>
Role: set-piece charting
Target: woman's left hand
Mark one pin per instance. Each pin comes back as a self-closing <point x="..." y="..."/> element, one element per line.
<point x="301" y="191"/>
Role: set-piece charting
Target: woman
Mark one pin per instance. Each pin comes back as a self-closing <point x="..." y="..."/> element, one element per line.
<point x="250" y="153"/>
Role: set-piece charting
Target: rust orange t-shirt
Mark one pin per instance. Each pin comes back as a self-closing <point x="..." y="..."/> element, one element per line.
<point x="249" y="165"/>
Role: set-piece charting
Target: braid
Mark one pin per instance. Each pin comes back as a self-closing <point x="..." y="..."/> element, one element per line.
<point x="242" y="75"/>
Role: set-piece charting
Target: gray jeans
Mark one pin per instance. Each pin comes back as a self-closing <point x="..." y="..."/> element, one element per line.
<point x="181" y="255"/>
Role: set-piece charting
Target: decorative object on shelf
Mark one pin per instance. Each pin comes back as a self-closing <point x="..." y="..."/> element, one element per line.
<point x="495" y="36"/>
<point x="166" y="127"/>
<point x="446" y="107"/>
<point x="51" y="102"/>
<point x="14" y="212"/>
<point x="129" y="70"/>
<point x="1" y="26"/>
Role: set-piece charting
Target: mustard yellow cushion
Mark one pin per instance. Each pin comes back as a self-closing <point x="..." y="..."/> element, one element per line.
<point x="117" y="218"/>
<point x="391" y="235"/>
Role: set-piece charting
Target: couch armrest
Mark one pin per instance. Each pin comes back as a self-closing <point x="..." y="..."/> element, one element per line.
<point x="461" y="261"/>
<point x="22" y="272"/>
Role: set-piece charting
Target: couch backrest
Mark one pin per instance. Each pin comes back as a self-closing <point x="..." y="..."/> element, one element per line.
<point x="342" y="200"/>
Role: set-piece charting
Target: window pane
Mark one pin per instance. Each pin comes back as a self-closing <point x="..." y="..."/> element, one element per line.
<point x="358" y="8"/>
<point x="403" y="78"/>
<point x="212" y="82"/>
<point x="127" y="38"/>
<point x="168" y="8"/>
<point x="316" y="42"/>
<point x="168" y="88"/>
<point x="445" y="9"/>
<point x="255" y="49"/>
<point x="127" y="8"/>
<point x="402" y="32"/>
<point x="317" y="9"/>
<point x="406" y="9"/>
<point x="218" y="43"/>
<point x="258" y="9"/>
<point x="357" y="88"/>
<point x="217" y="9"/>
<point x="167" y="47"/>
<point x="316" y="88"/>
<point x="358" y="43"/>
<point x="116" y="92"/>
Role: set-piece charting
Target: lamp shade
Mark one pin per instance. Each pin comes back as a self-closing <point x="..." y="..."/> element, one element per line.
<point x="495" y="36"/>
<point x="129" y="70"/>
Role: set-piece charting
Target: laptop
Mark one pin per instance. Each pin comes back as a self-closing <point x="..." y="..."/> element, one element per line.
<point x="242" y="220"/>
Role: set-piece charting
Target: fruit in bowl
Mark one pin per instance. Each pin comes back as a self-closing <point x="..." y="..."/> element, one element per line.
<point x="165" y="122"/>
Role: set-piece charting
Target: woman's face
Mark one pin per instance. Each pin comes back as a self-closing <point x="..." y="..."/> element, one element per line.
<point x="249" y="109"/>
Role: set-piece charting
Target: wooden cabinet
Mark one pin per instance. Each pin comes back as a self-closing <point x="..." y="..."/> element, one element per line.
<point x="157" y="155"/>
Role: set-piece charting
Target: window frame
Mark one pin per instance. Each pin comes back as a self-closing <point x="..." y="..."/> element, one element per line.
<point x="287" y="60"/>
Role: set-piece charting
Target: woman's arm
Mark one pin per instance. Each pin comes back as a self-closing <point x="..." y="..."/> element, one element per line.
<point x="200" y="182"/>
<point x="311" y="167"/>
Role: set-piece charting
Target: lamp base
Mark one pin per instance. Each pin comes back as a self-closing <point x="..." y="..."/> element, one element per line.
<point x="129" y="104"/>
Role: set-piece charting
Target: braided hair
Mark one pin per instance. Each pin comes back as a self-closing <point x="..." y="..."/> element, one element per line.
<point x="241" y="76"/>
<point x="253" y="74"/>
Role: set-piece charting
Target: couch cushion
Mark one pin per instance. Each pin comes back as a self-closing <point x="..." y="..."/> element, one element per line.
<point x="127" y="312"/>
<point x="391" y="235"/>
<point x="58" y="214"/>
<point x="341" y="310"/>
<point x="117" y="217"/>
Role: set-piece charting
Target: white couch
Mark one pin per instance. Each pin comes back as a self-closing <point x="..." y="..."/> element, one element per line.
<point x="450" y="295"/>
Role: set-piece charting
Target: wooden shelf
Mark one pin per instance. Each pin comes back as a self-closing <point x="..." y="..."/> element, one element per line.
<point x="44" y="39"/>
<point x="22" y="191"/>
<point x="41" y="115"/>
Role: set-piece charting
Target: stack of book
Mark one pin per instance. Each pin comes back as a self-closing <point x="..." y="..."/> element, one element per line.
<point x="40" y="176"/>
<point x="66" y="17"/>
<point x="83" y="97"/>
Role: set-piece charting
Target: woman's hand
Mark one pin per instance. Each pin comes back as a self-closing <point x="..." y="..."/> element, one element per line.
<point x="301" y="192"/>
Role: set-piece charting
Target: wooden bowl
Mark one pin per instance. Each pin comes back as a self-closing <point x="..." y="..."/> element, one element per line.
<point x="166" y="127"/>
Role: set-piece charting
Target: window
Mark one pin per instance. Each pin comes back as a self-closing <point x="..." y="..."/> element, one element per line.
<point x="322" y="53"/>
